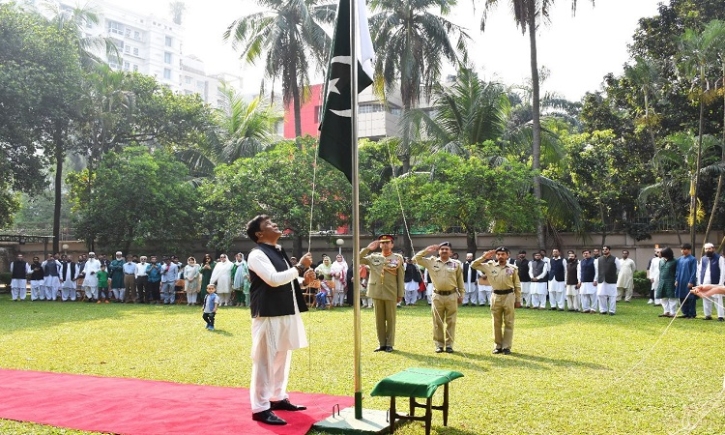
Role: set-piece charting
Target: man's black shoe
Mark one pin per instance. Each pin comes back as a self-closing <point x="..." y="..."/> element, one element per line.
<point x="449" y="349"/>
<point x="388" y="348"/>
<point x="285" y="405"/>
<point x="506" y="351"/>
<point x="439" y="349"/>
<point x="497" y="351"/>
<point x="707" y="318"/>
<point x="721" y="319"/>
<point x="380" y="349"/>
<point x="268" y="417"/>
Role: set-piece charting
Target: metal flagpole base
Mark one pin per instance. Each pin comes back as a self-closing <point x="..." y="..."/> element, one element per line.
<point x="344" y="422"/>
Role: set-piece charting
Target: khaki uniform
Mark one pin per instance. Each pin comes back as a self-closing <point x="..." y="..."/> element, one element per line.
<point x="503" y="279"/>
<point x="446" y="277"/>
<point x="385" y="285"/>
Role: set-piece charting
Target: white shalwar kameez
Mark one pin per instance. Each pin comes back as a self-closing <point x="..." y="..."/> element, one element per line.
<point x="484" y="290"/>
<point x="653" y="273"/>
<point x="339" y="277"/>
<point x="51" y="283"/>
<point x="68" y="287"/>
<point x="19" y="286"/>
<point x="588" y="291"/>
<point x="222" y="277"/>
<point x="273" y="339"/>
<point x="538" y="288"/>
<point x="716" y="300"/>
<point x="90" y="282"/>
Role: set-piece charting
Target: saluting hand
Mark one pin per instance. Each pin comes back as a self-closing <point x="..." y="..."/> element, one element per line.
<point x="373" y="245"/>
<point x="432" y="248"/>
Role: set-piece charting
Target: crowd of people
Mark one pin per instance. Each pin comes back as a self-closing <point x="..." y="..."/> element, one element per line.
<point x="277" y="288"/>
<point x="130" y="279"/>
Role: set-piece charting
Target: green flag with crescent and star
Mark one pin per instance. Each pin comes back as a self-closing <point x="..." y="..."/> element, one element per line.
<point x="336" y="126"/>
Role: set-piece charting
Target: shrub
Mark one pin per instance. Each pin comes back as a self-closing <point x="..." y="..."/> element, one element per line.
<point x="642" y="285"/>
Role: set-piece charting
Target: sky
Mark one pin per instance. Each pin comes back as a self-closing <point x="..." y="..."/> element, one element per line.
<point x="577" y="50"/>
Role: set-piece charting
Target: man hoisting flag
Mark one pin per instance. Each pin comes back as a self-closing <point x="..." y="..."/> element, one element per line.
<point x="336" y="126"/>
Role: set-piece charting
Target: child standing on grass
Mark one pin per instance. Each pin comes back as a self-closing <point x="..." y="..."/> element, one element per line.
<point x="210" y="305"/>
<point x="102" y="284"/>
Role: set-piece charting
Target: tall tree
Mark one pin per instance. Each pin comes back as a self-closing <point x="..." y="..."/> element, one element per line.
<point x="287" y="34"/>
<point x="528" y="14"/>
<point x="412" y="43"/>
<point x="240" y="129"/>
<point x="165" y="207"/>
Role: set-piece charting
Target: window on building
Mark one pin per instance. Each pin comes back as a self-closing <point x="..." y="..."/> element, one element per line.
<point x="167" y="57"/>
<point x="135" y="68"/>
<point x="127" y="49"/>
<point x="370" y="108"/>
<point x="167" y="73"/>
<point x="115" y="27"/>
<point x="137" y="35"/>
<point x="188" y="80"/>
<point x="128" y="32"/>
<point x="135" y="51"/>
<point x="169" y="41"/>
<point x="126" y="65"/>
<point x="200" y="84"/>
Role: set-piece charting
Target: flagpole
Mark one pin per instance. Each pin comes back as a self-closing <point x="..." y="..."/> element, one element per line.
<point x="355" y="208"/>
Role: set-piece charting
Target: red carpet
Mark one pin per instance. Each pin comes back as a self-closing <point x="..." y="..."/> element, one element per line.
<point x="134" y="406"/>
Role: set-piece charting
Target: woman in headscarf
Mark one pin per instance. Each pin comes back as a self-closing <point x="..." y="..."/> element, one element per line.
<point x="207" y="267"/>
<point x="221" y="276"/>
<point x="338" y="270"/>
<point x="192" y="280"/>
<point x="241" y="281"/>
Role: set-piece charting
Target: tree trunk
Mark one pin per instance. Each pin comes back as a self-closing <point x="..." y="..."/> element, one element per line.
<point x="696" y="181"/>
<point x="297" y="245"/>
<point x="471" y="245"/>
<point x="720" y="177"/>
<point x="59" y="157"/>
<point x="297" y="104"/>
<point x="536" y="124"/>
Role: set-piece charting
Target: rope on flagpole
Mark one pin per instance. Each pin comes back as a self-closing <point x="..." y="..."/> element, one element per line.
<point x="400" y="199"/>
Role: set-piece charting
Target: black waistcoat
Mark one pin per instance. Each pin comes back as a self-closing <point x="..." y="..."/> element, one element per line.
<point x="37" y="274"/>
<point x="19" y="269"/>
<point x="523" y="266"/>
<point x="267" y="301"/>
<point x="571" y="278"/>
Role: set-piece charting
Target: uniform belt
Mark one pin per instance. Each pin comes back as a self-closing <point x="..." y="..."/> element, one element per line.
<point x="129" y="273"/>
<point x="444" y="292"/>
<point x="503" y="292"/>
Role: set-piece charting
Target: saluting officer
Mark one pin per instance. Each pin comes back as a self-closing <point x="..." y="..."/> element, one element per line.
<point x="504" y="279"/>
<point x="386" y="287"/>
<point x="448" y="289"/>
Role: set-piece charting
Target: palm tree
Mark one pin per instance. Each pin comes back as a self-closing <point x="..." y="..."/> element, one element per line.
<point x="411" y="45"/>
<point x="644" y="75"/>
<point x="177" y="9"/>
<point x="527" y="15"/>
<point x="695" y="63"/>
<point x="75" y="20"/>
<point x="287" y="34"/>
<point x="243" y="129"/>
<point x="465" y="114"/>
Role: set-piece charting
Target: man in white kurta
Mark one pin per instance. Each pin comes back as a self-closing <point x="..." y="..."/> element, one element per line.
<point x="221" y="276"/>
<point x="69" y="275"/>
<point x="711" y="270"/>
<point x="539" y="272"/>
<point x="653" y="274"/>
<point x="277" y="326"/>
<point x="19" y="271"/>
<point x="90" y="282"/>
<point x="625" y="278"/>
<point x="588" y="271"/>
<point x="51" y="277"/>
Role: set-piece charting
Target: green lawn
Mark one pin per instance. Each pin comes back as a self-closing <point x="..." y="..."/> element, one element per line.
<point x="570" y="373"/>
